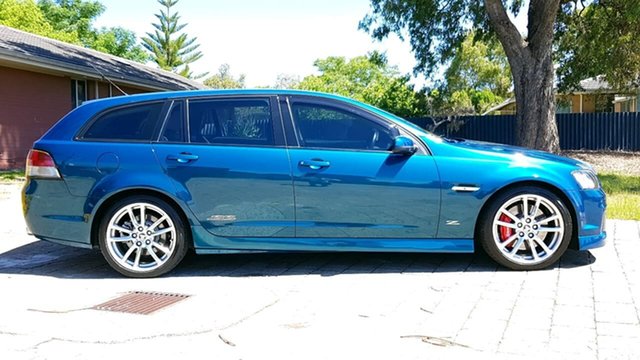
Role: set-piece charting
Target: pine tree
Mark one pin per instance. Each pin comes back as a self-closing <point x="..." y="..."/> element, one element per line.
<point x="170" y="49"/>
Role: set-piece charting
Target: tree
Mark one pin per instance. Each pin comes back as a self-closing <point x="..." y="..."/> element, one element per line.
<point x="437" y="28"/>
<point x="120" y="42"/>
<point x="599" y="40"/>
<point x="369" y="79"/>
<point x="73" y="16"/>
<point x="224" y="79"/>
<point x="476" y="79"/>
<point x="169" y="48"/>
<point x="77" y="17"/>
<point x="287" y="81"/>
<point x="26" y="15"/>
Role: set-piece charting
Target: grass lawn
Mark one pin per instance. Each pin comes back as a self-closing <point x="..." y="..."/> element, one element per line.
<point x="11" y="175"/>
<point x="623" y="196"/>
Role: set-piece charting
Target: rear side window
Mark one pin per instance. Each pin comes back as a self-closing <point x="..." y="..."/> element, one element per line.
<point x="130" y="123"/>
<point x="234" y="121"/>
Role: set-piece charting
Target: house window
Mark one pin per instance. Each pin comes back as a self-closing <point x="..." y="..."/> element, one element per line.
<point x="78" y="92"/>
<point x="604" y="103"/>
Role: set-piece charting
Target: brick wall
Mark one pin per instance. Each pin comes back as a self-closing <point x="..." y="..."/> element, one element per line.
<point x="29" y="104"/>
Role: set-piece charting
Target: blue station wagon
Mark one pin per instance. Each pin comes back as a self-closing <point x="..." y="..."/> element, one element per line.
<point x="145" y="178"/>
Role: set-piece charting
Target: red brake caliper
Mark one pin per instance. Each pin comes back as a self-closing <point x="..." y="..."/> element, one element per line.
<point x="505" y="232"/>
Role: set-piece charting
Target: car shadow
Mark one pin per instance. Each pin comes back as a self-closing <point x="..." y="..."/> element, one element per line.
<point x="47" y="259"/>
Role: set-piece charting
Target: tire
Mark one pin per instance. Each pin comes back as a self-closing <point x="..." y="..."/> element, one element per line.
<point x="142" y="250"/>
<point x="518" y="240"/>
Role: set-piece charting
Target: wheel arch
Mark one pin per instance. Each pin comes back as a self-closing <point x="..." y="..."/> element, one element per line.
<point x="574" y="244"/>
<point x="104" y="206"/>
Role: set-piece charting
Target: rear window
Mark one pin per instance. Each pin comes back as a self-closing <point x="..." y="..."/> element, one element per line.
<point x="130" y="123"/>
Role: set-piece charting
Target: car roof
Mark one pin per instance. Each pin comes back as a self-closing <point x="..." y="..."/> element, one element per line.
<point x="113" y="101"/>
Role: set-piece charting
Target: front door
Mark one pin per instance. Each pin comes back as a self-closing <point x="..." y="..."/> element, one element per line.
<point x="349" y="185"/>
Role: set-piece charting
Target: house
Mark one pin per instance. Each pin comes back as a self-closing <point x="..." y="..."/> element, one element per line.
<point x="42" y="79"/>
<point x="596" y="96"/>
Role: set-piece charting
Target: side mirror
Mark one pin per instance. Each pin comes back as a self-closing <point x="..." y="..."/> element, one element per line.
<point x="403" y="145"/>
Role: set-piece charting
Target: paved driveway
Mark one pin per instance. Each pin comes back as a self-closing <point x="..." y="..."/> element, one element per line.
<point x="320" y="306"/>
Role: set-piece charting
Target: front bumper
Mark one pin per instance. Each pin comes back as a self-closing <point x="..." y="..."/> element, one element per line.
<point x="590" y="206"/>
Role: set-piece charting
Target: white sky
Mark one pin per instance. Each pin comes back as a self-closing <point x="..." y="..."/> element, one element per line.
<point x="262" y="39"/>
<point x="265" y="38"/>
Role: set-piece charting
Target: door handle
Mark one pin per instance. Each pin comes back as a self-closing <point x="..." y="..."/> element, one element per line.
<point x="183" y="158"/>
<point x="315" y="164"/>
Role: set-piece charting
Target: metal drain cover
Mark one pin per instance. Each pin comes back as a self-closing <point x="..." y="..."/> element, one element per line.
<point x="141" y="302"/>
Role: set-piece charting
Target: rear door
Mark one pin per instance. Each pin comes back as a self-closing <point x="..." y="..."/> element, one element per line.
<point x="228" y="161"/>
<point x="348" y="184"/>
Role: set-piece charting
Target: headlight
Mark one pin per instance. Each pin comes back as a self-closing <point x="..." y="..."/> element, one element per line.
<point x="586" y="179"/>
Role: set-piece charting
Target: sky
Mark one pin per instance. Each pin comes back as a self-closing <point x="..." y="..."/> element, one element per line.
<point x="262" y="39"/>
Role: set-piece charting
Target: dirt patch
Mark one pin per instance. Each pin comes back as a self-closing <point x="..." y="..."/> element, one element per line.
<point x="624" y="163"/>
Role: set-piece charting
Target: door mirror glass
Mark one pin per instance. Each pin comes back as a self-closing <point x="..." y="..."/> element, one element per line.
<point x="403" y="145"/>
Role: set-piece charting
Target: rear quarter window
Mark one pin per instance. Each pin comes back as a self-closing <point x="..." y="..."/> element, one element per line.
<point x="135" y="123"/>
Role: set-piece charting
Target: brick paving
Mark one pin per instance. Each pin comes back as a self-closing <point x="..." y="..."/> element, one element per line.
<point x="321" y="306"/>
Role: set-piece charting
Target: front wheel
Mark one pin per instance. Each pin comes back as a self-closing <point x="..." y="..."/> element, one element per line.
<point x="526" y="228"/>
<point x="142" y="236"/>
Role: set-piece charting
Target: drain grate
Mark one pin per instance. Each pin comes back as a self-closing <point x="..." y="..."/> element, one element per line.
<point x="141" y="302"/>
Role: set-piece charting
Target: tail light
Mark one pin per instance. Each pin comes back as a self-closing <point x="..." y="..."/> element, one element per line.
<point x="40" y="164"/>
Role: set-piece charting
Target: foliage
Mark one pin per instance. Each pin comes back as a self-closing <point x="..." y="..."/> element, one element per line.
<point x="287" y="81"/>
<point x="477" y="78"/>
<point x="120" y="42"/>
<point x="11" y="175"/>
<point x="224" y="79"/>
<point x="437" y="28"/>
<point x="77" y="17"/>
<point x="73" y="16"/>
<point x="601" y="39"/>
<point x="171" y="49"/>
<point x="369" y="79"/>
<point x="70" y="21"/>
<point x="26" y="15"/>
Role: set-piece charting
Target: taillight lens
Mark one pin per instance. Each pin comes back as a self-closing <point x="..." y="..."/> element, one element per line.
<point x="40" y="164"/>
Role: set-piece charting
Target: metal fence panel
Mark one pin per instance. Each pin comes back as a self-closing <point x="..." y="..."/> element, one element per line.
<point x="595" y="131"/>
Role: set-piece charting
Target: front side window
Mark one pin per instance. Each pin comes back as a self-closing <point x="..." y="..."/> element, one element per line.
<point x="321" y="126"/>
<point x="241" y="122"/>
<point x="137" y="123"/>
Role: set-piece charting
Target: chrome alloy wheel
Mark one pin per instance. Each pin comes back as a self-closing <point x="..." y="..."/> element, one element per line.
<point x="528" y="229"/>
<point x="141" y="237"/>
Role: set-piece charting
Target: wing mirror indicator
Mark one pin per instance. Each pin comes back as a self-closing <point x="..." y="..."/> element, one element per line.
<point x="403" y="145"/>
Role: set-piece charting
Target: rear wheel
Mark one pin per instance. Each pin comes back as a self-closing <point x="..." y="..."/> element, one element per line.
<point x="142" y="236"/>
<point x="526" y="228"/>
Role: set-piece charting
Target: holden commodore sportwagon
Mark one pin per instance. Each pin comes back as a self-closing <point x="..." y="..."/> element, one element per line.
<point x="145" y="178"/>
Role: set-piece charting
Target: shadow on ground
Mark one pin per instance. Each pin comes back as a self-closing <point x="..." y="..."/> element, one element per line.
<point x="47" y="259"/>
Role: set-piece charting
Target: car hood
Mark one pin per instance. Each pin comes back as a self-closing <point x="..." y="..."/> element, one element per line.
<point x="502" y="150"/>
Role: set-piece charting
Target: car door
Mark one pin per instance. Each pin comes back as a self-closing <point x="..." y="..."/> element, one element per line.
<point x="228" y="161"/>
<point x="348" y="184"/>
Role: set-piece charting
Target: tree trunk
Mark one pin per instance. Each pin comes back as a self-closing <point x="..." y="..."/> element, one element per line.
<point x="532" y="69"/>
<point x="536" y="126"/>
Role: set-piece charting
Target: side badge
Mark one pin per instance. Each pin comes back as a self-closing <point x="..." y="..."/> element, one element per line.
<point x="452" y="223"/>
<point x="222" y="218"/>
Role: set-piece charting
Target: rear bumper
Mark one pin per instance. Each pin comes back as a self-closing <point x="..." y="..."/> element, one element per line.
<point x="52" y="213"/>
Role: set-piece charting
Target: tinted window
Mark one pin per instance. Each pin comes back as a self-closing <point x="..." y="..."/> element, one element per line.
<point x="174" y="128"/>
<point x="326" y="127"/>
<point x="130" y="123"/>
<point x="244" y="122"/>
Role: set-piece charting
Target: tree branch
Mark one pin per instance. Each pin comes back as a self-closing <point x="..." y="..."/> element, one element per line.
<point x="507" y="32"/>
<point x="542" y="16"/>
